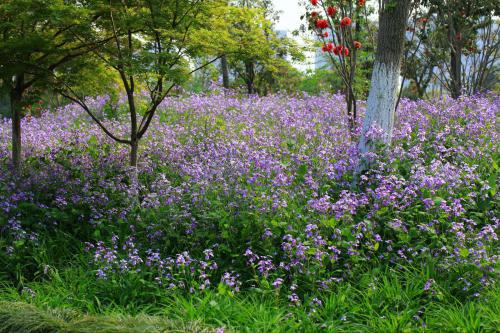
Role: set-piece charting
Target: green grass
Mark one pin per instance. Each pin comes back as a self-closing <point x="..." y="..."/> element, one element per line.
<point x="26" y="318"/>
<point x="378" y="301"/>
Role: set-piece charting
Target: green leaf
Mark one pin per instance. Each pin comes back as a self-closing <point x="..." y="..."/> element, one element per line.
<point x="330" y="222"/>
<point x="19" y="243"/>
<point x="438" y="200"/>
<point x="222" y="289"/>
<point x="464" y="253"/>
<point x="302" y="170"/>
<point x="492" y="181"/>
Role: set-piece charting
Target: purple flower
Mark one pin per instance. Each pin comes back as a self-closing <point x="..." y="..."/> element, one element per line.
<point x="267" y="233"/>
<point x="428" y="284"/>
<point x="294" y="299"/>
<point x="277" y="283"/>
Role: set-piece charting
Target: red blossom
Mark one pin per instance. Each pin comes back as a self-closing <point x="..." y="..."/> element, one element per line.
<point x="328" y="47"/>
<point x="340" y="50"/>
<point x="325" y="34"/>
<point x="357" y="45"/>
<point x="331" y="10"/>
<point x="314" y="14"/>
<point x="345" y="22"/>
<point x="361" y="3"/>
<point x="314" y="2"/>
<point x="321" y="24"/>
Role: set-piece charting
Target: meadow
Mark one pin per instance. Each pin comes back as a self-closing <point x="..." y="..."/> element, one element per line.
<point x="249" y="216"/>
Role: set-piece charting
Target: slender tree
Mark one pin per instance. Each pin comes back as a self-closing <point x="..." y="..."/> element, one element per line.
<point x="225" y="71"/>
<point x="337" y="25"/>
<point x="36" y="39"/>
<point x="151" y="44"/>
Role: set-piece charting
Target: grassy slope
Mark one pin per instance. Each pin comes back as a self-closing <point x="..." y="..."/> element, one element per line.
<point x="22" y="317"/>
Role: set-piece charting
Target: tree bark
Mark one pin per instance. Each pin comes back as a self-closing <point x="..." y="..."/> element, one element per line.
<point x="250" y="76"/>
<point x="455" y="58"/>
<point x="456" y="71"/>
<point x="16" y="109"/>
<point x="382" y="98"/>
<point x="134" y="149"/>
<point x="351" y="109"/>
<point x="225" y="71"/>
<point x="134" y="173"/>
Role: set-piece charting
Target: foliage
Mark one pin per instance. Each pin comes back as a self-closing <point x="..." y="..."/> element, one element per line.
<point x="35" y="38"/>
<point x="458" y="40"/>
<point x="243" y="193"/>
<point x="319" y="81"/>
<point x="21" y="317"/>
<point x="151" y="42"/>
<point x="380" y="300"/>
<point x="257" y="55"/>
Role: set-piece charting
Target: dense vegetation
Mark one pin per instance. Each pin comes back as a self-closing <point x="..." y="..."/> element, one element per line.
<point x="171" y="166"/>
<point x="247" y="217"/>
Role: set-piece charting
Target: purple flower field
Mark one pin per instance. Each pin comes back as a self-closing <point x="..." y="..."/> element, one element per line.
<point x="236" y="193"/>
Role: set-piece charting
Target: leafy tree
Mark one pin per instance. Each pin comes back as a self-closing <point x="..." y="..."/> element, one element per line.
<point x="37" y="39"/>
<point x="321" y="80"/>
<point x="462" y="34"/>
<point x="151" y="44"/>
<point x="274" y="75"/>
<point x="248" y="45"/>
<point x="260" y="31"/>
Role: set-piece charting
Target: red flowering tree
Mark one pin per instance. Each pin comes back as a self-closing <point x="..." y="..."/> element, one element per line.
<point x="336" y="23"/>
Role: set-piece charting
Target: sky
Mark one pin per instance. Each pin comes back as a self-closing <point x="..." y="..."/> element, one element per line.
<point x="290" y="14"/>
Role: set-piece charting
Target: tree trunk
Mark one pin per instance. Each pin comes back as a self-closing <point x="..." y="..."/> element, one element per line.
<point x="225" y="71"/>
<point x="456" y="71"/>
<point x="385" y="78"/>
<point x="454" y="39"/>
<point x="134" y="174"/>
<point x="349" y="103"/>
<point x="16" y="109"/>
<point x="250" y="76"/>
<point x="134" y="148"/>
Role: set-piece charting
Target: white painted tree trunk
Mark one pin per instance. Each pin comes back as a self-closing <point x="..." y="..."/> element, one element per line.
<point x="381" y="104"/>
<point x="384" y="87"/>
